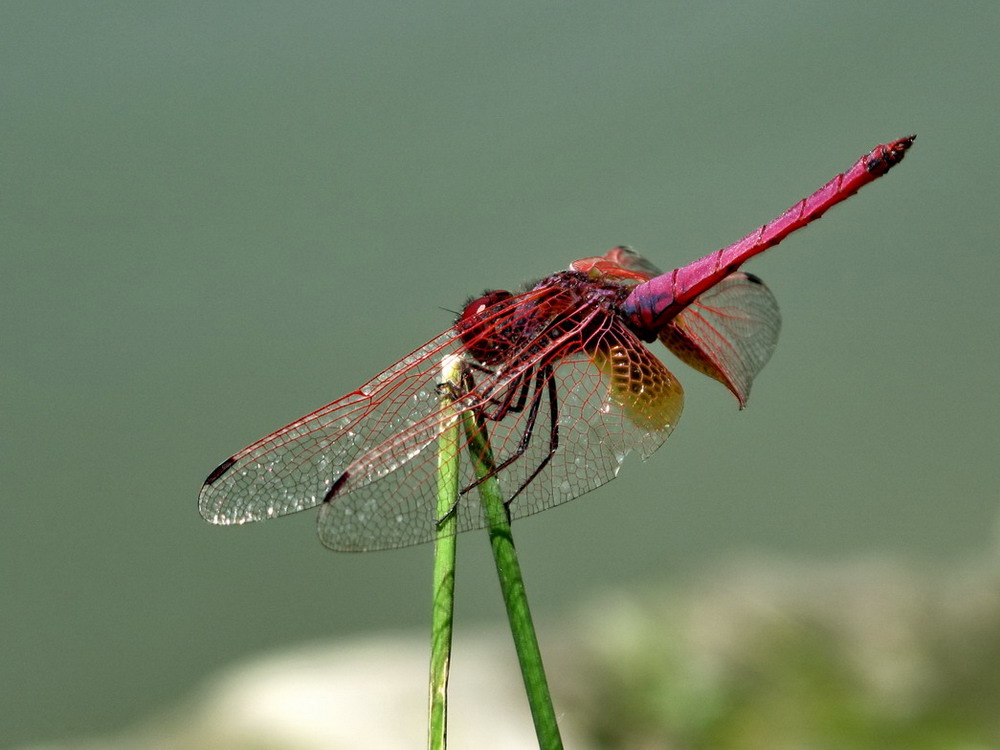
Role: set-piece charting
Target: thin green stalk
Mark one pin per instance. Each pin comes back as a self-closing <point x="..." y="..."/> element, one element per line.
<point x="444" y="562"/>
<point x="512" y="587"/>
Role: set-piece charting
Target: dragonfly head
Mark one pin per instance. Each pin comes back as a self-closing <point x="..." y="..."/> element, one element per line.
<point x="478" y="327"/>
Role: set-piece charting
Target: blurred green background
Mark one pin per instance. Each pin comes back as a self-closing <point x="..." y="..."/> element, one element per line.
<point x="219" y="216"/>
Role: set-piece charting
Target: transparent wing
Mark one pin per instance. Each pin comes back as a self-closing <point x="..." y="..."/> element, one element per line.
<point x="615" y="399"/>
<point x="728" y="333"/>
<point x="293" y="468"/>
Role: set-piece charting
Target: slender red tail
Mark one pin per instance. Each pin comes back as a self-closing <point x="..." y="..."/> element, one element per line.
<point x="653" y="304"/>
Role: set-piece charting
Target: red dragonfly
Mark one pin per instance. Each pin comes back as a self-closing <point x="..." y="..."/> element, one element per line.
<point x="559" y="374"/>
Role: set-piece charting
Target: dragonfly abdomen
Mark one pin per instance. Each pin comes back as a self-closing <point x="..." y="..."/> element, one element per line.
<point x="651" y="306"/>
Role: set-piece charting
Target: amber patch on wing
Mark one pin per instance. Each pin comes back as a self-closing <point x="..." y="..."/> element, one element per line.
<point x="640" y="385"/>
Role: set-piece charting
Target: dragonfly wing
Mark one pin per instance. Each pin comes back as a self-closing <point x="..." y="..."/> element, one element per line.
<point x="728" y="333"/>
<point x="294" y="468"/>
<point x="368" y="458"/>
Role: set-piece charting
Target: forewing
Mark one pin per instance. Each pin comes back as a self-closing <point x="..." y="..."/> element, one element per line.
<point x="728" y="333"/>
<point x="367" y="458"/>
<point x="293" y="468"/>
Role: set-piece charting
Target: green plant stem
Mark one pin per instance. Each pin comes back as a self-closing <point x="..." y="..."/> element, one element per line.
<point x="442" y="618"/>
<point x="512" y="587"/>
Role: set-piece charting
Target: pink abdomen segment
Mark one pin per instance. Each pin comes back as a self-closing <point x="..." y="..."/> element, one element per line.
<point x="653" y="304"/>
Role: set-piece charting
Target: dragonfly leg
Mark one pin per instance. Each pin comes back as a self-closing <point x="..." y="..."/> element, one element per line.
<point x="447" y="388"/>
<point x="447" y="514"/>
<point x="553" y="437"/>
<point x="543" y="377"/>
<point x="504" y="405"/>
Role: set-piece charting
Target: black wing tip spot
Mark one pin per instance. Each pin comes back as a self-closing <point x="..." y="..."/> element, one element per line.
<point x="219" y="470"/>
<point x="338" y="483"/>
<point x="754" y="279"/>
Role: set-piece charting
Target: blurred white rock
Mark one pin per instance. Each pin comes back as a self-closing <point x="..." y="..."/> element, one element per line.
<point x="866" y="654"/>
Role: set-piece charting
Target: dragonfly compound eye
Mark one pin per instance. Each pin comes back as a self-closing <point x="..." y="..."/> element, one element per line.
<point x="479" y="328"/>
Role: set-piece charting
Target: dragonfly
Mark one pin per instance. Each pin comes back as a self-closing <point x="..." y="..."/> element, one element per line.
<point x="559" y="373"/>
